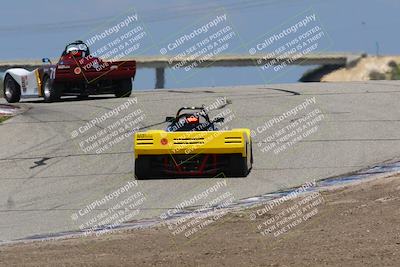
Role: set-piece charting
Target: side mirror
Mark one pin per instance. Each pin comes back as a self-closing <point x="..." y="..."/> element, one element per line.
<point x="46" y="60"/>
<point x="169" y="119"/>
<point x="218" y="120"/>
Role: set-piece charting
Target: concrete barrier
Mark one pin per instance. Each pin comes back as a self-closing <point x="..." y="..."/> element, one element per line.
<point x="160" y="63"/>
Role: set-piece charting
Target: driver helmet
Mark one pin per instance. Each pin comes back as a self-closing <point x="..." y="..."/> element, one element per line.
<point x="74" y="51"/>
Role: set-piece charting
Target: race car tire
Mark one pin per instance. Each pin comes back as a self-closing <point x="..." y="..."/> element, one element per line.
<point x="83" y="96"/>
<point x="12" y="90"/>
<point x="238" y="166"/>
<point x="50" y="90"/>
<point x="142" y="168"/>
<point x="251" y="154"/>
<point x="124" y="88"/>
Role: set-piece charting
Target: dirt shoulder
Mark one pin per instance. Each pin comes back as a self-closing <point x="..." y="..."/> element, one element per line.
<point x="3" y="118"/>
<point x="368" y="68"/>
<point x="356" y="225"/>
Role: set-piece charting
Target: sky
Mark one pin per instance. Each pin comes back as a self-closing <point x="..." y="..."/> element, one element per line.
<point x="40" y="28"/>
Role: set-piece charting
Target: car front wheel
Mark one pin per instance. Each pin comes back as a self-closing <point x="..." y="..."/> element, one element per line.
<point x="12" y="90"/>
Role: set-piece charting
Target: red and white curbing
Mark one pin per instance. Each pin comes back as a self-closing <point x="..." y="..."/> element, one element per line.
<point x="9" y="110"/>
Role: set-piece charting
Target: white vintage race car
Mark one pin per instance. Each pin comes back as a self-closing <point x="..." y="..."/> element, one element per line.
<point x="21" y="83"/>
<point x="76" y="73"/>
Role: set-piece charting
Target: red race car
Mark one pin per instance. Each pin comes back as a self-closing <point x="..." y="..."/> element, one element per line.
<point x="76" y="73"/>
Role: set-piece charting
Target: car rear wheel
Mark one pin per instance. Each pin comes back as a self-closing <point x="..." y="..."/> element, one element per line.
<point x="142" y="168"/>
<point x="237" y="166"/>
<point x="124" y="88"/>
<point x="12" y="90"/>
<point x="83" y="96"/>
<point x="50" y="91"/>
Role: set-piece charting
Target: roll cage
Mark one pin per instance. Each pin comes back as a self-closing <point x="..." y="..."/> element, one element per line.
<point x="190" y="121"/>
<point x="80" y="45"/>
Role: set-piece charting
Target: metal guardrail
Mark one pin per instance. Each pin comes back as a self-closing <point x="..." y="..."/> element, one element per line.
<point x="160" y="63"/>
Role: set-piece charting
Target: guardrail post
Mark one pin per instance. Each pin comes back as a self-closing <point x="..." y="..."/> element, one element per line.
<point x="160" y="78"/>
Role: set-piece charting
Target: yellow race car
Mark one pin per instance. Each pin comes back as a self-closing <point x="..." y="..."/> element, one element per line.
<point x="192" y="146"/>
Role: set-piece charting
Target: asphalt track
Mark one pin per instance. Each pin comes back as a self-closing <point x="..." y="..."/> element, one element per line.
<point x="46" y="178"/>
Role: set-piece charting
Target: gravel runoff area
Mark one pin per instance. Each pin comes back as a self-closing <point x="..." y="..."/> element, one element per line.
<point x="355" y="225"/>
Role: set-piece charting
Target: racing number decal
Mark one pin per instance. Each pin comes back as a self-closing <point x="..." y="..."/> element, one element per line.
<point x="52" y="73"/>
